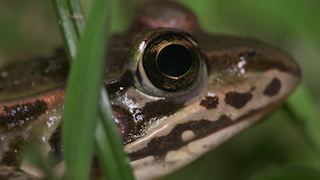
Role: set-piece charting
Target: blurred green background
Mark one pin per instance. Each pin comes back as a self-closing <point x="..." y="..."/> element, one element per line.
<point x="273" y="149"/>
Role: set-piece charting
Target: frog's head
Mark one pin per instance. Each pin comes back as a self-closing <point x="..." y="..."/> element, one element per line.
<point x="181" y="92"/>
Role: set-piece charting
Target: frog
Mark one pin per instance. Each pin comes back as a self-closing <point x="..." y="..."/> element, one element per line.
<point x="176" y="92"/>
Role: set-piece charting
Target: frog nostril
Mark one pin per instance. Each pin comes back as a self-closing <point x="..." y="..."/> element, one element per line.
<point x="174" y="60"/>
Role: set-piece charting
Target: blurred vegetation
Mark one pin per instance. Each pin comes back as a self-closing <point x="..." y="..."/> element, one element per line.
<point x="275" y="146"/>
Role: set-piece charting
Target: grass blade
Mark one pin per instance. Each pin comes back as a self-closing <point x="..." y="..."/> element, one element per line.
<point x="77" y="17"/>
<point x="67" y="30"/>
<point x="109" y="169"/>
<point x="108" y="144"/>
<point x="81" y="108"/>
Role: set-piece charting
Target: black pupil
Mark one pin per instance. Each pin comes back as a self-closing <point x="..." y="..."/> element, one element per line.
<point x="174" y="60"/>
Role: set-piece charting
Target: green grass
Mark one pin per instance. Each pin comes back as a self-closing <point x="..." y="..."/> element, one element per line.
<point x="271" y="149"/>
<point x="86" y="122"/>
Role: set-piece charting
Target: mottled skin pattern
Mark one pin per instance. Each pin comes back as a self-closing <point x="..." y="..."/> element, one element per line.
<point x="232" y="83"/>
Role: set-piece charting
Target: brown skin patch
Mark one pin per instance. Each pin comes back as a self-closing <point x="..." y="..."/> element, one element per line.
<point x="159" y="146"/>
<point x="34" y="76"/>
<point x="273" y="87"/>
<point x="158" y="14"/>
<point x="210" y="102"/>
<point x="122" y="119"/>
<point x="19" y="115"/>
<point x="237" y="100"/>
<point x="12" y="157"/>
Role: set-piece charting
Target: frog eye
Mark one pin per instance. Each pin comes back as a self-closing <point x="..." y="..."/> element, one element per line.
<point x="171" y="61"/>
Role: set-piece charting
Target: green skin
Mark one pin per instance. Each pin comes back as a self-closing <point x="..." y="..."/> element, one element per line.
<point x="165" y="121"/>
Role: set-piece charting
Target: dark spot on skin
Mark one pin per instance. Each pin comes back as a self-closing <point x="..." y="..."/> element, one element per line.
<point x="273" y="87"/>
<point x="160" y="108"/>
<point x="159" y="146"/>
<point x="210" y="102"/>
<point x="12" y="157"/>
<point x="238" y="100"/>
<point x="55" y="155"/>
<point x="18" y="115"/>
